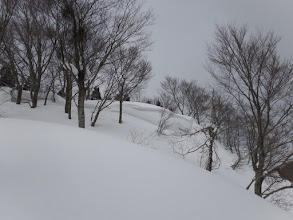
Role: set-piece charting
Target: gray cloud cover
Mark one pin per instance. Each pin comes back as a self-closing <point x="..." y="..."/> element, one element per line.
<point x="185" y="27"/>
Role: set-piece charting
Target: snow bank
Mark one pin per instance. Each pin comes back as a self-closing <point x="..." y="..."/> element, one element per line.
<point x="5" y="94"/>
<point x="51" y="171"/>
<point x="152" y="114"/>
<point x="26" y="96"/>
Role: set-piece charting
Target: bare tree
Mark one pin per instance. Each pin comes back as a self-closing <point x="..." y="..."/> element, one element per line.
<point x="197" y="101"/>
<point x="218" y="114"/>
<point x="164" y="122"/>
<point x="202" y="139"/>
<point x="36" y="43"/>
<point x="249" y="69"/>
<point x="187" y="97"/>
<point x="10" y="59"/>
<point x="63" y="51"/>
<point x="136" y="96"/>
<point x="110" y="89"/>
<point x="131" y="72"/>
<point x="50" y="82"/>
<point x="174" y="89"/>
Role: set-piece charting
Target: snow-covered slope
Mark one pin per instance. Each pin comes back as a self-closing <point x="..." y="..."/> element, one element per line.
<point x="51" y="171"/>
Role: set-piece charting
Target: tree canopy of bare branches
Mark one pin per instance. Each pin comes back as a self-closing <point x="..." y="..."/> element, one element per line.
<point x="247" y="66"/>
<point x="197" y="101"/>
<point x="131" y="72"/>
<point x="95" y="30"/>
<point x="186" y="97"/>
<point x="173" y="89"/>
<point x="7" y="8"/>
<point x="34" y="36"/>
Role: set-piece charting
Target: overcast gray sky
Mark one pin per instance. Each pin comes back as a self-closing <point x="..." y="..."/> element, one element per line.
<point x="184" y="27"/>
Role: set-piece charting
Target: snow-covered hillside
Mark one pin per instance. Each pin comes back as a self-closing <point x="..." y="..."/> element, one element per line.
<point x="50" y="169"/>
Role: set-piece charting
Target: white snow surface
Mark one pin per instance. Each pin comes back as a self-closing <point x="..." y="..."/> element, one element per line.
<point x="50" y="169"/>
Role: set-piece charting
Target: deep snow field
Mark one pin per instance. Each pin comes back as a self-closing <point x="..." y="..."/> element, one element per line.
<point x="52" y="170"/>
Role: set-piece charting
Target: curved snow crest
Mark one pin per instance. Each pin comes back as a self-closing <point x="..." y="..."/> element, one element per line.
<point x="57" y="172"/>
<point x="8" y="94"/>
<point x="152" y="114"/>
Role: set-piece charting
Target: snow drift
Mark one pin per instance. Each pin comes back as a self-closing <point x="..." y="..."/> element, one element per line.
<point x="51" y="171"/>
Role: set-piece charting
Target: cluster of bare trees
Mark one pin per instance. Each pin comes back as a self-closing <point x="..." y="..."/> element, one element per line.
<point x="210" y="109"/>
<point x="184" y="96"/>
<point x="252" y="115"/>
<point x="75" y="45"/>
<point x="259" y="85"/>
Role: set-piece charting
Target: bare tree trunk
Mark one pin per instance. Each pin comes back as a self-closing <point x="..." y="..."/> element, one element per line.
<point x="19" y="94"/>
<point x="69" y="98"/>
<point x="210" y="157"/>
<point x="34" y="100"/>
<point x="34" y="95"/>
<point x="95" y="119"/>
<point x="19" y="88"/>
<point x="46" y="98"/>
<point x="67" y="101"/>
<point x="68" y="95"/>
<point x="51" y="87"/>
<point x="211" y="147"/>
<point x="259" y="165"/>
<point x="197" y="119"/>
<point x="53" y="94"/>
<point x="66" y="89"/>
<point x="258" y="186"/>
<point x="120" y="110"/>
<point x="80" y="107"/>
<point x="88" y="95"/>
